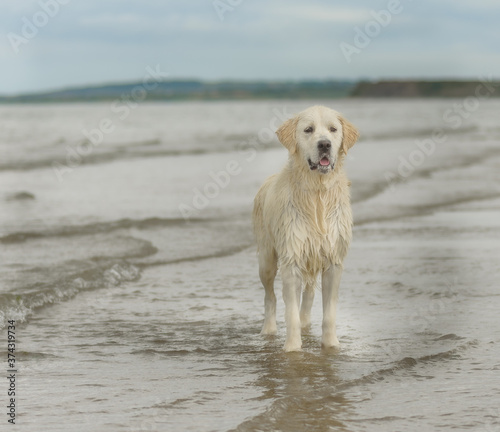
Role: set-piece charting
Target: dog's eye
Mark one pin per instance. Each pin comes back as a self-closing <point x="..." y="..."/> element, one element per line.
<point x="333" y="129"/>
<point x="308" y="129"/>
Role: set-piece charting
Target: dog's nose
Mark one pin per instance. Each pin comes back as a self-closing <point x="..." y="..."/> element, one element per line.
<point x="324" y="145"/>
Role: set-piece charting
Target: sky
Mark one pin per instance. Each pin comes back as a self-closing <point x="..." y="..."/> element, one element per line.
<point x="52" y="44"/>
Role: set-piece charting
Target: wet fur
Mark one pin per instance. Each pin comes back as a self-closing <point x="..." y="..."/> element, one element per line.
<point x="303" y="224"/>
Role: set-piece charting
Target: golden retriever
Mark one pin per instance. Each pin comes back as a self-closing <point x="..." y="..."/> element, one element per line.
<point x="303" y="222"/>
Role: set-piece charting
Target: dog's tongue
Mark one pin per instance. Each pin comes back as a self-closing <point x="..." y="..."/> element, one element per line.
<point x="324" y="162"/>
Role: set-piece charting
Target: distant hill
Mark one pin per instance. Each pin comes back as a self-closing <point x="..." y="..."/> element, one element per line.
<point x="235" y="90"/>
<point x="195" y="90"/>
<point x="410" y="89"/>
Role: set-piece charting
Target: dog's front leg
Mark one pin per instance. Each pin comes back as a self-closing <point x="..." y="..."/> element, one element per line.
<point x="292" y="284"/>
<point x="330" y="289"/>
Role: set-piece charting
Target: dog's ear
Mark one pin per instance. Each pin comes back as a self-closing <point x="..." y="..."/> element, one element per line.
<point x="286" y="134"/>
<point x="349" y="134"/>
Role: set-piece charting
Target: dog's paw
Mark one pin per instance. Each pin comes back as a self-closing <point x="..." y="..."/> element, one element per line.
<point x="330" y="343"/>
<point x="268" y="329"/>
<point x="305" y="324"/>
<point x="292" y="346"/>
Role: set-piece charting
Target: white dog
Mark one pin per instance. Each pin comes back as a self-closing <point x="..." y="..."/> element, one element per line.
<point x="303" y="221"/>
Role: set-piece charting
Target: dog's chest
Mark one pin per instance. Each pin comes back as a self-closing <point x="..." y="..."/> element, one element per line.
<point x="325" y="225"/>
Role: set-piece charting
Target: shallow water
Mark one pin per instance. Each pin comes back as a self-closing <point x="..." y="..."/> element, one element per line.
<point x="129" y="317"/>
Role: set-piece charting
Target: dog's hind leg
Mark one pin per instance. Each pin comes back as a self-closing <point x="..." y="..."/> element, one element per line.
<point x="268" y="266"/>
<point x="306" y="305"/>
<point x="330" y="289"/>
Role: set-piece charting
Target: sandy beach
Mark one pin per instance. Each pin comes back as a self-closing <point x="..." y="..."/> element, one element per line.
<point x="132" y="274"/>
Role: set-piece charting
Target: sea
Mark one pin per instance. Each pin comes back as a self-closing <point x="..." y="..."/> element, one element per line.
<point x="129" y="287"/>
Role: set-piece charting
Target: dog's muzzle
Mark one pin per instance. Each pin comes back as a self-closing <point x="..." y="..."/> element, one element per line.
<point x="323" y="165"/>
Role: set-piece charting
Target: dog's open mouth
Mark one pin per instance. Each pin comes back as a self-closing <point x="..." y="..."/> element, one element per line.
<point x="324" y="164"/>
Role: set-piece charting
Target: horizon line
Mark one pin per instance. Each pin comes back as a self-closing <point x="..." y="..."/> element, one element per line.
<point x="238" y="80"/>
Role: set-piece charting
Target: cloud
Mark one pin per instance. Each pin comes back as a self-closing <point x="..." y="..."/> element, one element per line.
<point x="324" y="13"/>
<point x="95" y="41"/>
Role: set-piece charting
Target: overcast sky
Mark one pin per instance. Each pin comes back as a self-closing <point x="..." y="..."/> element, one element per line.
<point x="101" y="41"/>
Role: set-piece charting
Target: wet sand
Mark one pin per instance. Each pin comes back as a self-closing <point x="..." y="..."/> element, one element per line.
<point x="159" y="329"/>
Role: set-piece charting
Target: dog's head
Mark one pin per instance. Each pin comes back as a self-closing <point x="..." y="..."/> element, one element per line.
<point x="317" y="136"/>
